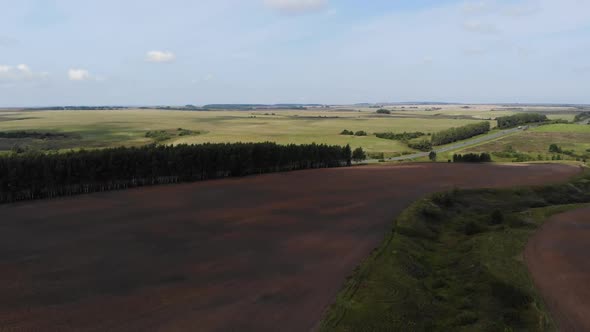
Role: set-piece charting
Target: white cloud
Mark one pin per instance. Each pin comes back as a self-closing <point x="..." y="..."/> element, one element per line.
<point x="79" y="75"/>
<point x="24" y="69"/>
<point x="20" y="72"/>
<point x="160" y="56"/>
<point x="296" y="6"/>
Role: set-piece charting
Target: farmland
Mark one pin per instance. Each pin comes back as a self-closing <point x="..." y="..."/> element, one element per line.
<point x="271" y="252"/>
<point x="108" y="128"/>
<point x="176" y="257"/>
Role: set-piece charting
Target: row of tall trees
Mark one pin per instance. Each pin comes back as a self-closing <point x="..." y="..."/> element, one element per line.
<point x="33" y="176"/>
<point x="460" y="133"/>
<point x="405" y="136"/>
<point x="33" y="134"/>
<point x="472" y="158"/>
<point x="519" y="119"/>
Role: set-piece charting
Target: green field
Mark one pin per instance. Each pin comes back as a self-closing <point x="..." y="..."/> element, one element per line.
<point x="99" y="129"/>
<point x="129" y="127"/>
<point x="536" y="142"/>
<point x="453" y="263"/>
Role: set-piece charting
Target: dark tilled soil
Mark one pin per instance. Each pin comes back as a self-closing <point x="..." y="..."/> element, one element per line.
<point x="262" y="253"/>
<point x="558" y="257"/>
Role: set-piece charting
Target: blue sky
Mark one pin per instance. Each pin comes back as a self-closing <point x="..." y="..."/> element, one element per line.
<point x="138" y="52"/>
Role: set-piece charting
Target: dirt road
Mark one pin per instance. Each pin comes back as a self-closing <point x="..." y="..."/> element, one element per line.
<point x="263" y="253"/>
<point x="558" y="257"/>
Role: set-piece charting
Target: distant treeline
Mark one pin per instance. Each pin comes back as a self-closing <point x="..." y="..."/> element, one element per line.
<point x="35" y="176"/>
<point x="472" y="158"/>
<point x="78" y="108"/>
<point x="400" y="137"/>
<point x="32" y="134"/>
<point x="460" y="133"/>
<point x="516" y="120"/>
<point x="258" y="106"/>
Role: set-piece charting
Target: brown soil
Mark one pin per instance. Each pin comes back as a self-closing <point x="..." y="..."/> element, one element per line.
<point x="263" y="253"/>
<point x="558" y="257"/>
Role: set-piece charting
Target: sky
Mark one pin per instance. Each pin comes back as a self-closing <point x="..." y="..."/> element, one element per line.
<point x="177" y="52"/>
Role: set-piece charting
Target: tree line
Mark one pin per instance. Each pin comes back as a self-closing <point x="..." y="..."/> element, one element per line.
<point x="400" y="136"/>
<point x="351" y="133"/>
<point x="472" y="158"/>
<point x="35" y="175"/>
<point x="460" y="133"/>
<point x="33" y="134"/>
<point x="515" y="120"/>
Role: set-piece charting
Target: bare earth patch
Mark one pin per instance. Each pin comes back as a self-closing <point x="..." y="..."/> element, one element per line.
<point x="263" y="253"/>
<point x="558" y="258"/>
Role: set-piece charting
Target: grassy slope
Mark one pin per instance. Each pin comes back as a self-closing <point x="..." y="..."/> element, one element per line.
<point x="448" y="267"/>
<point x="536" y="141"/>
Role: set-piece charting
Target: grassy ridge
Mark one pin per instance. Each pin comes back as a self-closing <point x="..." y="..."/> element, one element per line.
<point x="453" y="263"/>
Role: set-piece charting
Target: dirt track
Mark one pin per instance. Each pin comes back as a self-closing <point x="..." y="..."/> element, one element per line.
<point x="262" y="253"/>
<point x="558" y="258"/>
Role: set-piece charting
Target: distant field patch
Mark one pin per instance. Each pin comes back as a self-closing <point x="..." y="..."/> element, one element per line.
<point x="563" y="128"/>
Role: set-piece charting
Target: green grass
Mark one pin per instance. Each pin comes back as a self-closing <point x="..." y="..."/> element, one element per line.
<point x="563" y="128"/>
<point x="536" y="142"/>
<point x="128" y="127"/>
<point x="451" y="265"/>
<point x="97" y="129"/>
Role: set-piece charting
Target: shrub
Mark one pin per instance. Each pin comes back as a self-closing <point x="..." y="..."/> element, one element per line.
<point x="346" y="132"/>
<point x="360" y="133"/>
<point x="432" y="156"/>
<point x="423" y="145"/>
<point x="553" y="148"/>
<point x="383" y="111"/>
<point x="376" y="155"/>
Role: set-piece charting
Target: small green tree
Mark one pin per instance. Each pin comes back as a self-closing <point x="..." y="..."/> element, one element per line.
<point x="360" y="133"/>
<point x="347" y="154"/>
<point x="554" y="148"/>
<point x="359" y="154"/>
<point x="432" y="156"/>
<point x="347" y="132"/>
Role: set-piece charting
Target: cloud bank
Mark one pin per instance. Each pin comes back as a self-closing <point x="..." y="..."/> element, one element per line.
<point x="160" y="56"/>
<point x="20" y="72"/>
<point x="78" y="75"/>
